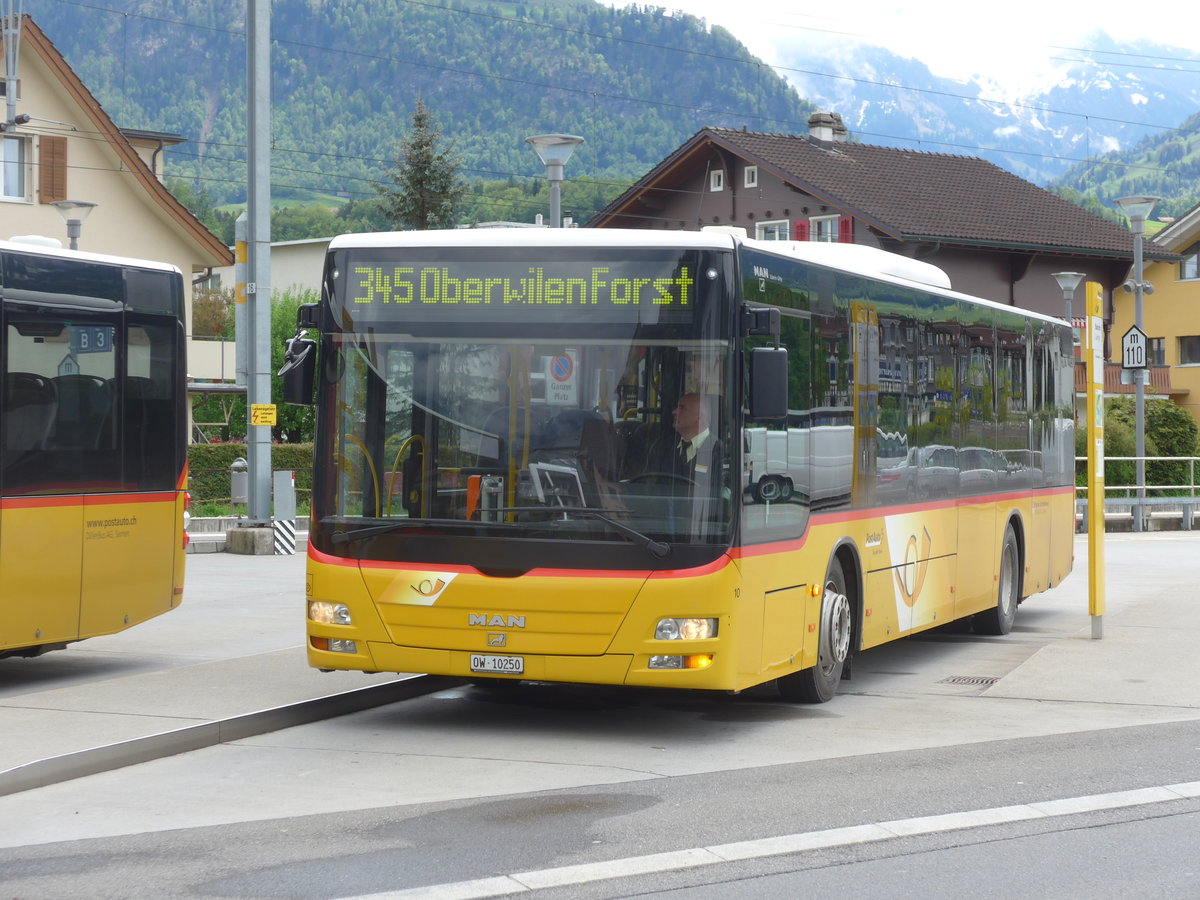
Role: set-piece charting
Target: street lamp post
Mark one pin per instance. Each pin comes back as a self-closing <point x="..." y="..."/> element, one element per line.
<point x="1068" y="281"/>
<point x="73" y="213"/>
<point x="554" y="150"/>
<point x="1137" y="210"/>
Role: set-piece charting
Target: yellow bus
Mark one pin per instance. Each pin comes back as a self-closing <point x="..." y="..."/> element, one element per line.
<point x="667" y="458"/>
<point x="93" y="440"/>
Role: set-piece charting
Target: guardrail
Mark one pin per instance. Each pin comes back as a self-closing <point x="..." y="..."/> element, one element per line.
<point x="1140" y="503"/>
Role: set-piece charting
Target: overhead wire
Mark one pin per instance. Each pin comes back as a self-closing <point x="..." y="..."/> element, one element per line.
<point x="628" y="99"/>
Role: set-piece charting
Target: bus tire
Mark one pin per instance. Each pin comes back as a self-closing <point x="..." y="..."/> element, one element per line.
<point x="999" y="619"/>
<point x="819" y="683"/>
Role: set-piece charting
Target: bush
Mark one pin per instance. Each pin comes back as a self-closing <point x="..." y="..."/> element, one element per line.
<point x="1170" y="431"/>
<point x="208" y="469"/>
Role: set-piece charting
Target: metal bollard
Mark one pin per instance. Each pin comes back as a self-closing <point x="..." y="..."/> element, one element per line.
<point x="239" y="482"/>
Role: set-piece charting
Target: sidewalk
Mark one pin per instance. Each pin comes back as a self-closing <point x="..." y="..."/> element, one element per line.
<point x="230" y="663"/>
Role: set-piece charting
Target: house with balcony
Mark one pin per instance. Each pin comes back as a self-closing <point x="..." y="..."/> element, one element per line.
<point x="996" y="235"/>
<point x="62" y="146"/>
<point x="1171" y="314"/>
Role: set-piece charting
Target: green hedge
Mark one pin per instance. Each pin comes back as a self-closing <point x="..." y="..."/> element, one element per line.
<point x="208" y="469"/>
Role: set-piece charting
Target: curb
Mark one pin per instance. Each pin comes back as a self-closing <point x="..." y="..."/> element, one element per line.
<point x="96" y="760"/>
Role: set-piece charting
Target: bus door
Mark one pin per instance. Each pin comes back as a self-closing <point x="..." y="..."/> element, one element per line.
<point x="979" y="468"/>
<point x="132" y="512"/>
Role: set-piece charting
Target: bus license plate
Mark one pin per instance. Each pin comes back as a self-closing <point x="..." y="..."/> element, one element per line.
<point x="500" y="665"/>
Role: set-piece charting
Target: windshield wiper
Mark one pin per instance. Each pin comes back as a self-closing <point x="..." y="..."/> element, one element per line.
<point x="345" y="537"/>
<point x="658" y="549"/>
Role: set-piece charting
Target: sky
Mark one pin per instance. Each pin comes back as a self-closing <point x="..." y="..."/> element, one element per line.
<point x="954" y="39"/>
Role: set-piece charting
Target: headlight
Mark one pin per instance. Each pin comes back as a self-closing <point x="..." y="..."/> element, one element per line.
<point x="685" y="629"/>
<point x="328" y="613"/>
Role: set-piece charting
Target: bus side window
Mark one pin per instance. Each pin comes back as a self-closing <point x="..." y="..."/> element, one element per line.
<point x="30" y="407"/>
<point x="84" y="408"/>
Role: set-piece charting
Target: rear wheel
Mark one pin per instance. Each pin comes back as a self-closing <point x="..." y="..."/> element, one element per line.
<point x="819" y="683"/>
<point x="999" y="619"/>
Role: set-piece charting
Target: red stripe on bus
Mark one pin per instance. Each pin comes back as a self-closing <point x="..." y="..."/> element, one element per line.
<point x="857" y="515"/>
<point x="82" y="500"/>
<point x="328" y="559"/>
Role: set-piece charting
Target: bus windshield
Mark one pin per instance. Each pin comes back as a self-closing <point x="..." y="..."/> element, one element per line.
<point x="578" y="396"/>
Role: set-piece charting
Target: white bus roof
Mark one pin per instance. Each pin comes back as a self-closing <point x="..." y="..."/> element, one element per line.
<point x="39" y="249"/>
<point x="855" y="259"/>
<point x="536" y="237"/>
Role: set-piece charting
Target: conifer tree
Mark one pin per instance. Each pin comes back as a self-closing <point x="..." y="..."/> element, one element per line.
<point x="422" y="188"/>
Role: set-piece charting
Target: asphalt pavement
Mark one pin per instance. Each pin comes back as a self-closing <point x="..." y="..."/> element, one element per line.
<point x="230" y="663"/>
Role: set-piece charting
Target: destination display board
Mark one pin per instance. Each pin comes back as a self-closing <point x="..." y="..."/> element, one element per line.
<point x="634" y="286"/>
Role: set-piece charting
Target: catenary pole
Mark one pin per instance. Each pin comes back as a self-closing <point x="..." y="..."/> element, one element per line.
<point x="258" y="245"/>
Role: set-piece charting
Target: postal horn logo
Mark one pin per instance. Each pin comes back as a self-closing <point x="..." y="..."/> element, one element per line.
<point x="424" y="589"/>
<point x="430" y="587"/>
<point x="910" y="575"/>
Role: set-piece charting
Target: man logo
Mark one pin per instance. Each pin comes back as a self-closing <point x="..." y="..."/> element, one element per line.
<point x="495" y="621"/>
<point x="497" y="639"/>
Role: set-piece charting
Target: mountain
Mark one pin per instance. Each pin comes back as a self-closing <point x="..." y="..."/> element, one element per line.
<point x="635" y="83"/>
<point x="1069" y="131"/>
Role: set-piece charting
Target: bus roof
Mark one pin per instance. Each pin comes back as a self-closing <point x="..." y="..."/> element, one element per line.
<point x="30" y="248"/>
<point x="855" y="259"/>
<point x="537" y="237"/>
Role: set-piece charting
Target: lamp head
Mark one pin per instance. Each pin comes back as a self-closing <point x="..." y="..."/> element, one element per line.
<point x="554" y="149"/>
<point x="73" y="210"/>
<point x="1136" y="209"/>
<point x="1068" y="281"/>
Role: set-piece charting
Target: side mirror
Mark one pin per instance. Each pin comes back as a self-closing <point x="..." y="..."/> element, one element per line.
<point x="768" y="383"/>
<point x="306" y="315"/>
<point x="299" y="369"/>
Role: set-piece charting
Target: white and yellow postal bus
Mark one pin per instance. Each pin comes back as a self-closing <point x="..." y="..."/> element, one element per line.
<point x="93" y="441"/>
<point x="670" y="459"/>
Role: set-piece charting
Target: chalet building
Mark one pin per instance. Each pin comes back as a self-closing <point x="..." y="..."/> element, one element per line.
<point x="62" y="145"/>
<point x="996" y="235"/>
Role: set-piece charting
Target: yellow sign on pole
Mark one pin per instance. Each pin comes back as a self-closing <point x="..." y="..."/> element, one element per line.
<point x="1094" y="349"/>
<point x="263" y="414"/>
<point x="239" y="258"/>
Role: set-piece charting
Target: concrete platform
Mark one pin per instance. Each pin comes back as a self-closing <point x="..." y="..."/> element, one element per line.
<point x="230" y="660"/>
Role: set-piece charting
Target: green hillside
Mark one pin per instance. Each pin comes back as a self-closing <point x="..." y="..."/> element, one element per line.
<point x="634" y="83"/>
<point x="1166" y="166"/>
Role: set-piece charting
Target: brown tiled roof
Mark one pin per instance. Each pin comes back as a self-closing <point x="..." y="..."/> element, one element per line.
<point x="913" y="195"/>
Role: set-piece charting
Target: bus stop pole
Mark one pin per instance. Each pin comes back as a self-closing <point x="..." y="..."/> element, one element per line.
<point x="1095" y="457"/>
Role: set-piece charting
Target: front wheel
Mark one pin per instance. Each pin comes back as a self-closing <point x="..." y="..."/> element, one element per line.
<point x="999" y="619"/>
<point x="819" y="683"/>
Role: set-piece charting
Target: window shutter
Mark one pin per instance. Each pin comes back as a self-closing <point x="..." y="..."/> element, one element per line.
<point x="801" y="230"/>
<point x="846" y="230"/>
<point x="52" y="169"/>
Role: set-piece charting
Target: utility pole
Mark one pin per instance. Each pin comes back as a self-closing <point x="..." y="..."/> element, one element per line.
<point x="259" y="411"/>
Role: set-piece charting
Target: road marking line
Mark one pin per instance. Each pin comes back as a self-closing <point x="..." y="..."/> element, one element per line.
<point x="585" y="873"/>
